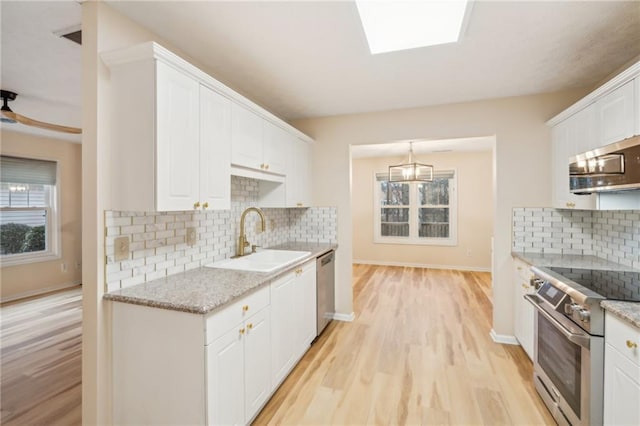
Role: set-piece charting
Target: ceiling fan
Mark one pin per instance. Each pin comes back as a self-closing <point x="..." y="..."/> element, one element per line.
<point x="8" y="116"/>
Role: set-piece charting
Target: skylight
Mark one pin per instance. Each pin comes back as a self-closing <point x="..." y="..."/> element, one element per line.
<point x="398" y="25"/>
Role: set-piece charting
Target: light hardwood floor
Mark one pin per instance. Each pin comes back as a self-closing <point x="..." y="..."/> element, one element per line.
<point x="418" y="352"/>
<point x="41" y="360"/>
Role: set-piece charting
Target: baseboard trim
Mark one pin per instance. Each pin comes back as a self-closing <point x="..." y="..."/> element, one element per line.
<point x="503" y="339"/>
<point x="345" y="317"/>
<point x="39" y="292"/>
<point x="423" y="265"/>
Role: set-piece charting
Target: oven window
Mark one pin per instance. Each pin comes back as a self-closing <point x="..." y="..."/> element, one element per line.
<point x="560" y="359"/>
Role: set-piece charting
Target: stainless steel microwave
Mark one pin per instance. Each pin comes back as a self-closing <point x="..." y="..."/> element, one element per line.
<point x="614" y="167"/>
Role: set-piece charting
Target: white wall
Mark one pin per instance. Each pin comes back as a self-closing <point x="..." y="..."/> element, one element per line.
<point x="474" y="194"/>
<point x="522" y="166"/>
<point x="103" y="29"/>
<point x="34" y="278"/>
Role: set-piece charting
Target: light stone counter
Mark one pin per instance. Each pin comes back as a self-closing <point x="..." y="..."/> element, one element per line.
<point x="627" y="311"/>
<point x="203" y="290"/>
<point x="570" y="261"/>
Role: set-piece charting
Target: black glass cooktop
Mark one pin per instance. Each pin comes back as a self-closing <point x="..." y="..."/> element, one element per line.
<point x="614" y="285"/>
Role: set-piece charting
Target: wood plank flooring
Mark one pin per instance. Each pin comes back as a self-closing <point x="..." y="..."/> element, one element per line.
<point x="418" y="352"/>
<point x="41" y="360"/>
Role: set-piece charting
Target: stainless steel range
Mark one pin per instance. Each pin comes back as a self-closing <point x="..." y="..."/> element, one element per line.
<point x="569" y="337"/>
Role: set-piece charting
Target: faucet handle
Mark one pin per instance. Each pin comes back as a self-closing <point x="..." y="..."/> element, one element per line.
<point x="254" y="247"/>
<point x="246" y="243"/>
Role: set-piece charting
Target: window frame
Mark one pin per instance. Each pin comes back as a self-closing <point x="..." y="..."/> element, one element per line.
<point x="414" y="207"/>
<point x="52" y="227"/>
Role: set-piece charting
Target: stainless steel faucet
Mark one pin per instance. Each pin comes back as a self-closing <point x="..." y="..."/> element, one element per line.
<point x="242" y="240"/>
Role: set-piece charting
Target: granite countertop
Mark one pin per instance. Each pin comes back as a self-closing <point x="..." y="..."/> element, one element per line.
<point x="570" y="261"/>
<point x="202" y="290"/>
<point x="627" y="311"/>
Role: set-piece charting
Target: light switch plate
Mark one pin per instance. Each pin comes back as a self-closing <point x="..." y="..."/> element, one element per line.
<point x="121" y="248"/>
<point x="192" y="236"/>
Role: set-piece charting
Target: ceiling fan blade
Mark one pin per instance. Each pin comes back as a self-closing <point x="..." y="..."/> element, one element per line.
<point x="40" y="124"/>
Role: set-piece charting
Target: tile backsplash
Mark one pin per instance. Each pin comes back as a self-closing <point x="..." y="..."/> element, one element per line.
<point x="612" y="235"/>
<point x="158" y="240"/>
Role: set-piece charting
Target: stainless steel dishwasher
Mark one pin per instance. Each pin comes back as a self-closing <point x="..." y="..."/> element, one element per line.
<point x="325" y="280"/>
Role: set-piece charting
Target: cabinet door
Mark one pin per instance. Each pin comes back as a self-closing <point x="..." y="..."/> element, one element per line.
<point x="178" y="143"/>
<point x="246" y="137"/>
<point x="621" y="389"/>
<point x="225" y="379"/>
<point x="616" y="115"/>
<point x="276" y="148"/>
<point x="565" y="137"/>
<point x="257" y="362"/>
<point x="298" y="185"/>
<point x="305" y="309"/>
<point x="215" y="149"/>
<point x="282" y="326"/>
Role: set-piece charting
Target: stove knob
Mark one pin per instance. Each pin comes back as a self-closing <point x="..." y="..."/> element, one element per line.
<point x="585" y="315"/>
<point x="571" y="308"/>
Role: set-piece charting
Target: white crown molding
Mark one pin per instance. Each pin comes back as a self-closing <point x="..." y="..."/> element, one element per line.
<point x="624" y="77"/>
<point x="152" y="50"/>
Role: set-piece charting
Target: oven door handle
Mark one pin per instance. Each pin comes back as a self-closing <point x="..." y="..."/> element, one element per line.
<point x="578" y="339"/>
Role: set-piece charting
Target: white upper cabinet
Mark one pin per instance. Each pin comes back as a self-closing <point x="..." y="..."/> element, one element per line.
<point x="298" y="185"/>
<point x="246" y="136"/>
<point x="215" y="150"/>
<point x="616" y="114"/>
<point x="176" y="132"/>
<point x="607" y="115"/>
<point x="257" y="143"/>
<point x="178" y="144"/>
<point x="574" y="135"/>
<point x="276" y="147"/>
<point x="171" y="140"/>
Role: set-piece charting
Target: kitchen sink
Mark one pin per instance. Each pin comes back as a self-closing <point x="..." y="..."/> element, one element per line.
<point x="262" y="261"/>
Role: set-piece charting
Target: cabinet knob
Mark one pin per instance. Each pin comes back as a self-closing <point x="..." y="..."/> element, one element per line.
<point x="298" y="204"/>
<point x="571" y="205"/>
<point x="205" y="205"/>
<point x="631" y="345"/>
<point x="196" y="204"/>
<point x="250" y="326"/>
<point x="241" y="331"/>
<point x="262" y="166"/>
<point x="245" y="308"/>
<point x="266" y="166"/>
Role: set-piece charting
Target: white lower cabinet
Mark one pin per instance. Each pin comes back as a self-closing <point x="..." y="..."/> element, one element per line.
<point x="238" y="372"/>
<point x="293" y="299"/>
<point x="179" y="368"/>
<point x="621" y="373"/>
<point x="524" y="311"/>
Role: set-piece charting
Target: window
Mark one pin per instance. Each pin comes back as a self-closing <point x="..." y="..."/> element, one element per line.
<point x="28" y="225"/>
<point x="416" y="212"/>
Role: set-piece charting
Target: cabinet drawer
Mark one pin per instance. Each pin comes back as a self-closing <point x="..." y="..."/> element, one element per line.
<point x="623" y="337"/>
<point x="220" y="322"/>
<point x="523" y="270"/>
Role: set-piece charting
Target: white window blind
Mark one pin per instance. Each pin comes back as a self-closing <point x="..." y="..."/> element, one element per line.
<point x="27" y="171"/>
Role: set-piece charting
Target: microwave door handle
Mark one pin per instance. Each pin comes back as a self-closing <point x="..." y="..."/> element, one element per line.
<point x="578" y="339"/>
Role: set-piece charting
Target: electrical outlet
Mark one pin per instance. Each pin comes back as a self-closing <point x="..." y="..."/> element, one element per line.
<point x="63" y="267"/>
<point x="272" y="224"/>
<point x="468" y="252"/>
<point x="192" y="236"/>
<point x="78" y="266"/>
<point x="121" y="245"/>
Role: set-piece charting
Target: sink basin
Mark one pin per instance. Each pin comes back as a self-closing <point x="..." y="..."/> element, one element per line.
<point x="262" y="261"/>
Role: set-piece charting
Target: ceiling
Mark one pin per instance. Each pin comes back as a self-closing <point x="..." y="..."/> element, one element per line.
<point x="422" y="147"/>
<point x="310" y="58"/>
